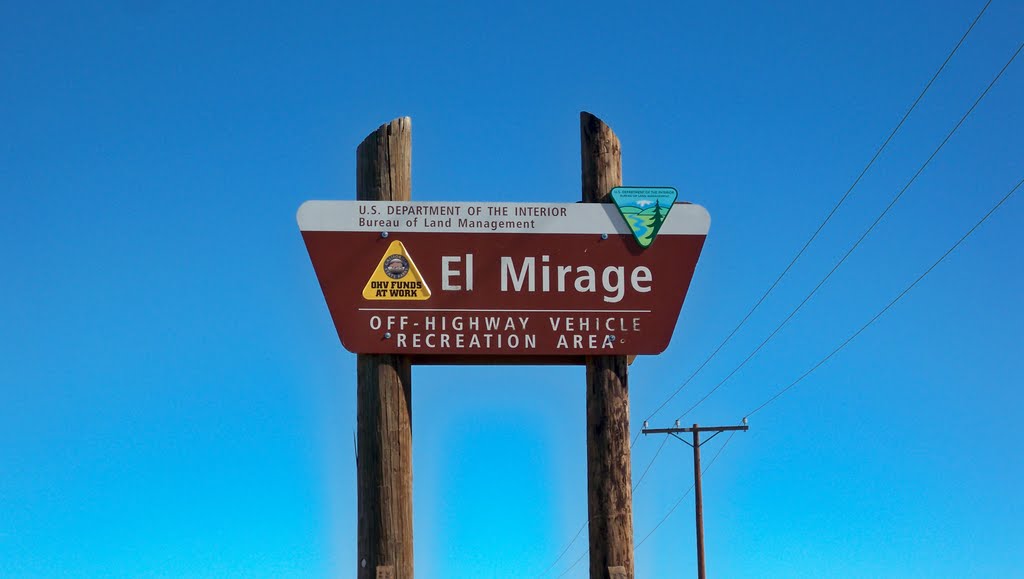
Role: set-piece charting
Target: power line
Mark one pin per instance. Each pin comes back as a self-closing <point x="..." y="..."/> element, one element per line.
<point x="893" y="302"/>
<point x="828" y="217"/>
<point x="698" y="502"/>
<point x="942" y="258"/>
<point x="864" y="235"/>
<point x="688" y="491"/>
<point x="587" y="522"/>
<point x="891" y="204"/>
<point x="786" y="270"/>
<point x="650" y="464"/>
<point x="574" y="563"/>
<point x="668" y="514"/>
<point x="635" y="438"/>
<point x="949" y="251"/>
<point x="566" y="550"/>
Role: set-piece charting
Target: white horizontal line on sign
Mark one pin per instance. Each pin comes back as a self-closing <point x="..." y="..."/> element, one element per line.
<point x="470" y="217"/>
<point x="395" y="310"/>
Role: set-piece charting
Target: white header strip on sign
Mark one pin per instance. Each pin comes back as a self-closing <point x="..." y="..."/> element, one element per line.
<point x="469" y="217"/>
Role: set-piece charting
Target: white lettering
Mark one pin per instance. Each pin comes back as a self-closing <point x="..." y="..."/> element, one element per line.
<point x="588" y="277"/>
<point x="613" y="279"/>
<point x="447" y="273"/>
<point x="641" y="274"/>
<point x="615" y="287"/>
<point x="517" y="283"/>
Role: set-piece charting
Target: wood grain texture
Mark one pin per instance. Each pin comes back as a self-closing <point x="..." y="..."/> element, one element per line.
<point x="609" y="478"/>
<point x="384" y="390"/>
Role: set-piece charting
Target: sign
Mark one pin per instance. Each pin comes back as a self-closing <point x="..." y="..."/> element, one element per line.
<point x="500" y="282"/>
<point x="396" y="278"/>
<point x="645" y="209"/>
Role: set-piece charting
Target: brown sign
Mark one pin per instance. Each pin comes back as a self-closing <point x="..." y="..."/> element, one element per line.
<point x="509" y="282"/>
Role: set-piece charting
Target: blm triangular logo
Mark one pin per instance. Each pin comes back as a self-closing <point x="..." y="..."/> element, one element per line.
<point x="645" y="209"/>
<point x="396" y="277"/>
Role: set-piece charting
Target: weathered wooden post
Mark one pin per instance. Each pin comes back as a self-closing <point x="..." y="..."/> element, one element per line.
<point x="384" y="390"/>
<point x="609" y="479"/>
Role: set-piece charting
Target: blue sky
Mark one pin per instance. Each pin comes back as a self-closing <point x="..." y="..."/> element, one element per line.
<point x="174" y="401"/>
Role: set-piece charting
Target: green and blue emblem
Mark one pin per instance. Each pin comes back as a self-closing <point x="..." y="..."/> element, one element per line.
<point x="645" y="209"/>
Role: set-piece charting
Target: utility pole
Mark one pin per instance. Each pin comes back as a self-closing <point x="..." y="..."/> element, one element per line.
<point x="698" y="498"/>
<point x="609" y="482"/>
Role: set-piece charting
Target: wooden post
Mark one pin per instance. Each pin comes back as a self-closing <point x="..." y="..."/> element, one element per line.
<point x="609" y="479"/>
<point x="384" y="390"/>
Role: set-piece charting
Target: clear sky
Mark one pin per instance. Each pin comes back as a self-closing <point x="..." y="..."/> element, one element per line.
<point x="174" y="400"/>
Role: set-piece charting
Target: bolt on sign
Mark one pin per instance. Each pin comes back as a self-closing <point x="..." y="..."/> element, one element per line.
<point x="531" y="283"/>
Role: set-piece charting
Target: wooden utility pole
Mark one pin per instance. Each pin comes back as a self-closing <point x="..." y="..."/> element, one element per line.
<point x="698" y="499"/>
<point x="384" y="390"/>
<point x="698" y="495"/>
<point x="609" y="479"/>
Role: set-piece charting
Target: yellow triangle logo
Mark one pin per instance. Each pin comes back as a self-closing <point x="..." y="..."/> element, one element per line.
<point x="396" y="277"/>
